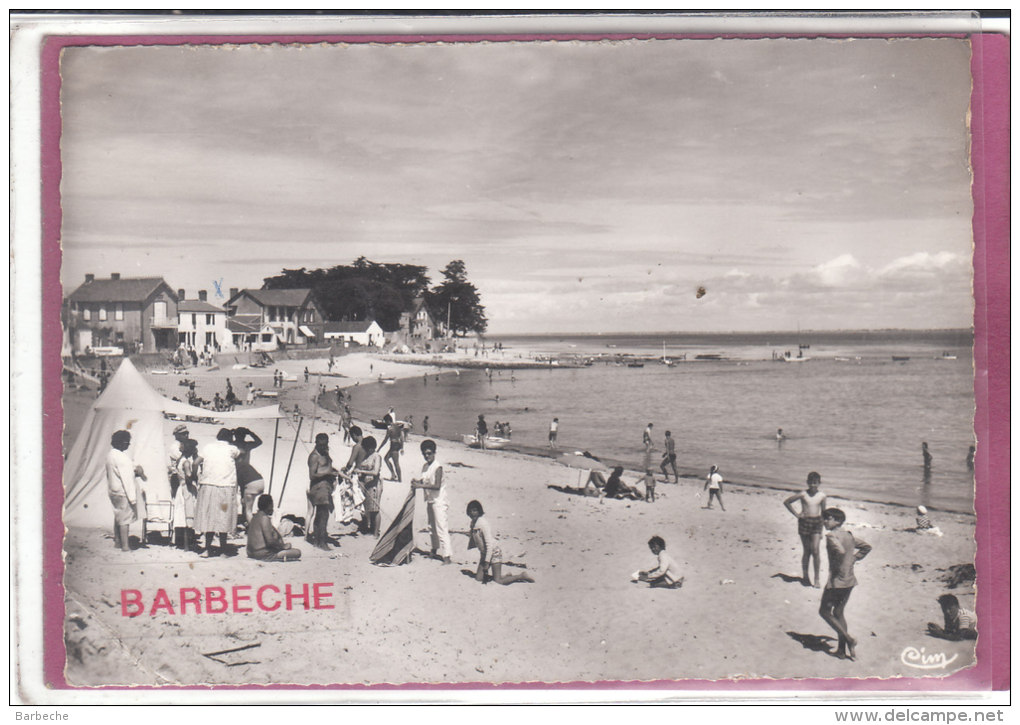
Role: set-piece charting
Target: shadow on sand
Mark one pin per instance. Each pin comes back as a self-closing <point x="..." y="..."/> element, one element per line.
<point x="814" y="642"/>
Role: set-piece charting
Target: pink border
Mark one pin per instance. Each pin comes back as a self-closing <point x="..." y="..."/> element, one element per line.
<point x="990" y="129"/>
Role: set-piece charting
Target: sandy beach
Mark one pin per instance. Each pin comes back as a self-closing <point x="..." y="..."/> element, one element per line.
<point x="742" y="612"/>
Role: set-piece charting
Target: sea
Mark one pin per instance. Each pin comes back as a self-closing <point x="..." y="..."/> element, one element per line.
<point x="847" y="410"/>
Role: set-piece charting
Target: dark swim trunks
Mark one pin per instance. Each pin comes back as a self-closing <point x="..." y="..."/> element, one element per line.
<point x="809" y="525"/>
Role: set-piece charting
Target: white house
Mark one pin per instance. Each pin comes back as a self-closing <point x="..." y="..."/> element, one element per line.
<point x="367" y="333"/>
<point x="202" y="325"/>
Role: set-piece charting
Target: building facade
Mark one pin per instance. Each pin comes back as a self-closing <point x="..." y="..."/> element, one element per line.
<point x="136" y="314"/>
<point x="290" y="315"/>
<point x="202" y="325"/>
<point x="366" y="333"/>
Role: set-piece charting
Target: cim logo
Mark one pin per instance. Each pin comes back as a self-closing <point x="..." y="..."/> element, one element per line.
<point x="913" y="657"/>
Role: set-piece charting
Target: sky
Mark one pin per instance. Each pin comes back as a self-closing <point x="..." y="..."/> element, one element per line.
<point x="588" y="186"/>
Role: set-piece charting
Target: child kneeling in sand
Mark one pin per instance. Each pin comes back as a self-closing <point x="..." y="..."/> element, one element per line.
<point x="485" y="541"/>
<point x="667" y="573"/>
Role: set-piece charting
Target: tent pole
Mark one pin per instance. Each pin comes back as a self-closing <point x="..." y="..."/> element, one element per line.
<point x="287" y="475"/>
<point x="272" y="466"/>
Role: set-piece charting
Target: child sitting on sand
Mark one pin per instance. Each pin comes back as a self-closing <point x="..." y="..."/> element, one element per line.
<point x="924" y="524"/>
<point x="667" y="573"/>
<point x="489" y="553"/>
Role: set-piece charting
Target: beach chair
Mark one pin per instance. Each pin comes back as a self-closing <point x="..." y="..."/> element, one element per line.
<point x="161" y="514"/>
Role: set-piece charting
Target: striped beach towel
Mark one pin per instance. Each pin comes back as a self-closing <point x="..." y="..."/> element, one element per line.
<point x="397" y="543"/>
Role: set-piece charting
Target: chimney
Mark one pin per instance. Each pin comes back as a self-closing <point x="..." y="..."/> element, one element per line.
<point x="180" y="295"/>
<point x="201" y="295"/>
<point x="90" y="278"/>
<point x="233" y="292"/>
<point x="115" y="275"/>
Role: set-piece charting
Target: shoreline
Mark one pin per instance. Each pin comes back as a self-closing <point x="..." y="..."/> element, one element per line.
<point x="576" y="623"/>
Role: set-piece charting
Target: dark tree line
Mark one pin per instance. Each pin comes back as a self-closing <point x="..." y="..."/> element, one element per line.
<point x="366" y="290"/>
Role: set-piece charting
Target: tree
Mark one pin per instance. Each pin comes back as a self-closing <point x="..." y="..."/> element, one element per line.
<point x="457" y="301"/>
<point x="365" y="290"/>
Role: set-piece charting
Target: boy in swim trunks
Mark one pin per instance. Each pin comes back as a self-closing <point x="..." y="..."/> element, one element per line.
<point x="844" y="551"/>
<point x="809" y="525"/>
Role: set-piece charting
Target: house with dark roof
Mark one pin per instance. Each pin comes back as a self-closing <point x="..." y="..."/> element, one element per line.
<point x="202" y="325"/>
<point x="136" y="314"/>
<point x="364" y="332"/>
<point x="417" y="325"/>
<point x="290" y="315"/>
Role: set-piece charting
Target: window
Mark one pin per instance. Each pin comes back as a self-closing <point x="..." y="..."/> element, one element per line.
<point x="102" y="314"/>
<point x="86" y="314"/>
<point x="210" y="338"/>
<point x="118" y="311"/>
<point x="210" y="319"/>
<point x="194" y="320"/>
<point x="120" y="336"/>
<point x="159" y="310"/>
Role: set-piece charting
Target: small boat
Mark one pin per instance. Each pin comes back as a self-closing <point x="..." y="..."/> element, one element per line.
<point x="841" y="359"/>
<point x="795" y="359"/>
<point x="160" y="372"/>
<point x="899" y="358"/>
<point x="387" y="381"/>
<point x="708" y="356"/>
<point x="635" y="365"/>
<point x="946" y="356"/>
<point x="493" y="442"/>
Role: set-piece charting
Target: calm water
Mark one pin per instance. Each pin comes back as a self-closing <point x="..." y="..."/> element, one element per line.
<point x="860" y="423"/>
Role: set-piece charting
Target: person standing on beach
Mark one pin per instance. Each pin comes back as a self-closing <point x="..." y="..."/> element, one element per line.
<point x="321" y="479"/>
<point x="844" y="550"/>
<point x="669" y="459"/>
<point x="395" y="436"/>
<point x="554" y="429"/>
<point x="431" y="483"/>
<point x="425" y="425"/>
<point x="970" y="458"/>
<point x="646" y="438"/>
<point x="216" y="512"/>
<point x="926" y="455"/>
<point x="122" y="488"/>
<point x="713" y="484"/>
<point x="481" y="431"/>
<point x="809" y="525"/>
<point x="250" y="480"/>
<point x="371" y="483"/>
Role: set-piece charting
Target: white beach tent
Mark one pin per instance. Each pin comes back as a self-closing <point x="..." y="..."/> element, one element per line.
<point x="130" y="403"/>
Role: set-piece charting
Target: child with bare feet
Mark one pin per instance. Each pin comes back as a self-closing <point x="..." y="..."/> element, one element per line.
<point x="844" y="551"/>
<point x="649" y="486"/>
<point x="667" y="573"/>
<point x="713" y="484"/>
<point x="809" y="525"/>
<point x="489" y="553"/>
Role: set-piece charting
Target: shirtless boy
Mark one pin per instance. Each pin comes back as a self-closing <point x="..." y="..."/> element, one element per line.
<point x="845" y="550"/>
<point x="809" y="525"/>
